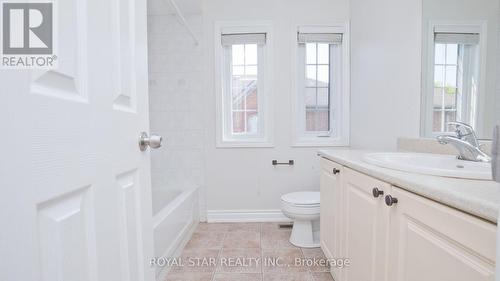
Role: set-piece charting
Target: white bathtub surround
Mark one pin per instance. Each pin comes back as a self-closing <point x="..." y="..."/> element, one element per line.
<point x="477" y="197"/>
<point x="174" y="224"/>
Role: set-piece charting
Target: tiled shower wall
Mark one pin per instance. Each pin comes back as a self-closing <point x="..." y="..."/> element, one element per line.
<point x="175" y="101"/>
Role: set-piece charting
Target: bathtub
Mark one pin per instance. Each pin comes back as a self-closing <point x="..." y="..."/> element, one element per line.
<point x="173" y="223"/>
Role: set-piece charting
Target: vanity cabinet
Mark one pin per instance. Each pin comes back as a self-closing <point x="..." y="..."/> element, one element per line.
<point x="331" y="207"/>
<point x="433" y="242"/>
<point x="364" y="227"/>
<point x="390" y="234"/>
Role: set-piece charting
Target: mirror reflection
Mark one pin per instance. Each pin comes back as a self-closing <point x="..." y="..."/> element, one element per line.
<point x="460" y="55"/>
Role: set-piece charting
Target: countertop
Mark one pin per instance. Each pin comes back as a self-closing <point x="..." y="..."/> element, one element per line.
<point x="477" y="197"/>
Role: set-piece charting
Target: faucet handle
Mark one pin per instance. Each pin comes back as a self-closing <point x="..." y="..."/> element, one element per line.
<point x="465" y="132"/>
<point x="461" y="129"/>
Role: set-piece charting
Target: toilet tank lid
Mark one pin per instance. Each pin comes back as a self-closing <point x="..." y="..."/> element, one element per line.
<point x="302" y="198"/>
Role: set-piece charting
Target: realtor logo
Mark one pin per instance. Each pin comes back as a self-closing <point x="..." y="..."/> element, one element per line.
<point x="28" y="35"/>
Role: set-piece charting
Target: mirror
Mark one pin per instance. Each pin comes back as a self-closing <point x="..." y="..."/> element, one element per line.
<point x="460" y="65"/>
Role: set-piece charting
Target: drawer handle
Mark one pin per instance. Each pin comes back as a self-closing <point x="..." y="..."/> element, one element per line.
<point x="377" y="192"/>
<point x="335" y="171"/>
<point x="389" y="200"/>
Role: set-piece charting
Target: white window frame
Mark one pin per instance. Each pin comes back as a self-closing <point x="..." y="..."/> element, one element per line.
<point x="479" y="27"/>
<point x="339" y="93"/>
<point x="224" y="136"/>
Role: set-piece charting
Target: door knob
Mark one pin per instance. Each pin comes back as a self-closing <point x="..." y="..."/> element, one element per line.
<point x="153" y="141"/>
<point x="389" y="200"/>
<point x="377" y="192"/>
<point x="335" y="171"/>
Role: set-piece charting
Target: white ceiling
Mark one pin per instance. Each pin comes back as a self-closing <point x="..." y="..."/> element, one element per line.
<point x="161" y="7"/>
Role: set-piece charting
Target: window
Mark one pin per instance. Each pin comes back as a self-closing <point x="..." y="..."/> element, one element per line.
<point x="451" y="78"/>
<point x="317" y="87"/>
<point x="243" y="90"/>
<point x="243" y="119"/>
<point x="321" y="106"/>
<point x="455" y="78"/>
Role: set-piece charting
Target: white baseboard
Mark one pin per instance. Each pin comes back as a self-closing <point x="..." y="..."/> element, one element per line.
<point x="246" y="216"/>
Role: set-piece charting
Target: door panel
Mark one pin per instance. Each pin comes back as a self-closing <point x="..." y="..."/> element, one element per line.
<point x="433" y="242"/>
<point x="66" y="237"/>
<point x="76" y="202"/>
<point x="123" y="59"/>
<point x="366" y="222"/>
<point x="69" y="80"/>
<point x="129" y="224"/>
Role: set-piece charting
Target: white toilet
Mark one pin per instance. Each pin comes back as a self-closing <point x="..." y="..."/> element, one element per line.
<point x="303" y="209"/>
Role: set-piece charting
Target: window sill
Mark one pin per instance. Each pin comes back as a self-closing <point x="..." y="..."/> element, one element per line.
<point x="243" y="144"/>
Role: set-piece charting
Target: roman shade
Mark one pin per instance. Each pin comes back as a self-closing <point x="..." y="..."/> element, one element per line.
<point x="243" y="38"/>
<point x="330" y="38"/>
<point x="457" y="38"/>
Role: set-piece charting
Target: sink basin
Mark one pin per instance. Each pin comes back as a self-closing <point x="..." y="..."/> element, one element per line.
<point x="431" y="164"/>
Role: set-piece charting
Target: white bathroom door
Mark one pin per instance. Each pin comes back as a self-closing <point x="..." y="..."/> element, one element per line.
<point x="76" y="195"/>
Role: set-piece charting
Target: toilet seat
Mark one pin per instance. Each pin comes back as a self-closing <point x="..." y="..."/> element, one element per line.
<point x="300" y="211"/>
<point x="302" y="199"/>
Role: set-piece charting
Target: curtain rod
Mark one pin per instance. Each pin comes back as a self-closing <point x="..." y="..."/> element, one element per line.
<point x="183" y="20"/>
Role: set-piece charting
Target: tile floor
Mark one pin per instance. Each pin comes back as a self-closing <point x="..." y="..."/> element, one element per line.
<point x="245" y="252"/>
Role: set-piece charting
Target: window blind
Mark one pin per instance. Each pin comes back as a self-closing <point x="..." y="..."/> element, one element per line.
<point x="331" y="38"/>
<point x="457" y="38"/>
<point x="243" y="38"/>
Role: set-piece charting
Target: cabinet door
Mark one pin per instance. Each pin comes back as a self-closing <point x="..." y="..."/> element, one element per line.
<point x="331" y="200"/>
<point x="365" y="226"/>
<point x="433" y="242"/>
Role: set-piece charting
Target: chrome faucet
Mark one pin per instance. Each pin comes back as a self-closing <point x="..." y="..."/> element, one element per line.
<point x="465" y="142"/>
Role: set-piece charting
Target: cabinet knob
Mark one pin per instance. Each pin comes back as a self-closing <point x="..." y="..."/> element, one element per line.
<point x="335" y="171"/>
<point x="377" y="192"/>
<point x="389" y="200"/>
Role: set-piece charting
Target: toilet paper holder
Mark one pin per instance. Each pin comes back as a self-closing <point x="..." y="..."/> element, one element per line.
<point x="289" y="163"/>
